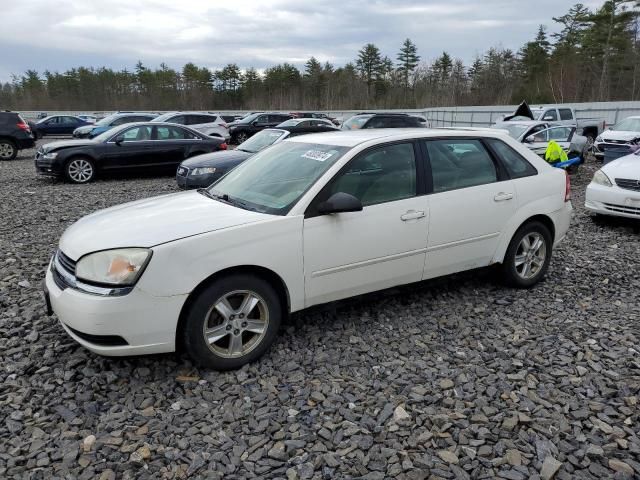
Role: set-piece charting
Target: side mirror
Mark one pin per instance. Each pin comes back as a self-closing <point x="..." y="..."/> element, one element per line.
<point x="340" y="202"/>
<point x="119" y="140"/>
<point x="530" y="139"/>
<point x="255" y="123"/>
<point x="547" y="118"/>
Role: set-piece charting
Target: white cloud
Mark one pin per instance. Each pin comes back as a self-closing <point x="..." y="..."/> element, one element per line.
<point x="41" y="34"/>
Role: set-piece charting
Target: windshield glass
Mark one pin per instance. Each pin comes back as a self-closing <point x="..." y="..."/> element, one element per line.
<point x="515" y="130"/>
<point x="356" y="122"/>
<point x="109" y="133"/>
<point x="273" y="180"/>
<point x="628" y="125"/>
<point x="249" y="118"/>
<point x="106" y="121"/>
<point x="261" y="140"/>
<point x="290" y="123"/>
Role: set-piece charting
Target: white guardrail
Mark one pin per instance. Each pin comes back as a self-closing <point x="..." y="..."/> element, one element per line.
<point x="481" y="116"/>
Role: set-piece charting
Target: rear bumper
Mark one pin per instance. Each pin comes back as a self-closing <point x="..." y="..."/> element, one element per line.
<point x="23" y="143"/>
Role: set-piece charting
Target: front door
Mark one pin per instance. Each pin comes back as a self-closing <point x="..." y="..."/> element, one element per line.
<point x="561" y="135"/>
<point x="381" y="246"/>
<point x="471" y="202"/>
<point x="133" y="150"/>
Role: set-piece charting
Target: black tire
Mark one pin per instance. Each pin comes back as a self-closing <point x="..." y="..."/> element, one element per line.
<point x="80" y="170"/>
<point x="240" y="137"/>
<point x="8" y="149"/>
<point x="510" y="272"/>
<point x="203" y="315"/>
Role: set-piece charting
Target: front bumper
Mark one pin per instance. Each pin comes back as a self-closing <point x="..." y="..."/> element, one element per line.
<point x="613" y="200"/>
<point x="145" y="323"/>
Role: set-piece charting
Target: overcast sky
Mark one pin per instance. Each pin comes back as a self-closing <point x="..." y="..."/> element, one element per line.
<point x="60" y="34"/>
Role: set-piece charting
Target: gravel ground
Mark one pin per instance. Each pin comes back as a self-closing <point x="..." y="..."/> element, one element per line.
<point x="455" y="378"/>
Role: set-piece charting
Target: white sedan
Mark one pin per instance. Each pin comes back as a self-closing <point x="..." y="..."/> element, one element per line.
<point x="615" y="188"/>
<point x="311" y="220"/>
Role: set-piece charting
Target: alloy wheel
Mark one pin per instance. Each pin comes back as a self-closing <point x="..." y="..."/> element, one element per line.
<point x="242" y="137"/>
<point x="6" y="151"/>
<point x="530" y="255"/>
<point x="236" y="324"/>
<point x="80" y="170"/>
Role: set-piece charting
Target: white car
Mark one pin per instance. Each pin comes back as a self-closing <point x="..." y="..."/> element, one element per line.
<point x="210" y="124"/>
<point x="615" y="188"/>
<point x="623" y="137"/>
<point x="313" y="219"/>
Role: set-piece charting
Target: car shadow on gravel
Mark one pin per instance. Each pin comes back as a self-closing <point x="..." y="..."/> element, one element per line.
<point x="608" y="221"/>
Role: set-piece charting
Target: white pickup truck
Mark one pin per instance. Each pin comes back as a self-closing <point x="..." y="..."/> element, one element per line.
<point x="560" y="115"/>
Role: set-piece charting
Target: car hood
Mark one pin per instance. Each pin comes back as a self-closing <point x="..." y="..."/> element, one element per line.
<point x="153" y="221"/>
<point x="217" y="159"/>
<point x="624" y="167"/>
<point x="86" y="128"/>
<point x="49" y="147"/>
<point x="619" y="135"/>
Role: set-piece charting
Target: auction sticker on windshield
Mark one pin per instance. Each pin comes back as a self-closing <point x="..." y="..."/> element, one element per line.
<point x="318" y="155"/>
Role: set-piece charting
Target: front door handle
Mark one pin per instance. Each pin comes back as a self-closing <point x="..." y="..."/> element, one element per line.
<point x="502" y="196"/>
<point x="412" y="215"/>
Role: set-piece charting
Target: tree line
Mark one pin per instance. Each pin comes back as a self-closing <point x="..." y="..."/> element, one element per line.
<point x="594" y="56"/>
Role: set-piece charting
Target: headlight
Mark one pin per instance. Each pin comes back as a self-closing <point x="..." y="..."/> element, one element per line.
<point x="113" y="267"/>
<point x="50" y="156"/>
<point x="203" y="171"/>
<point x="598" y="138"/>
<point x="601" y="179"/>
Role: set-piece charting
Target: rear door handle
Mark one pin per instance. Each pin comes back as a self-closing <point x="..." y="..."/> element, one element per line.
<point x="412" y="215"/>
<point x="502" y="196"/>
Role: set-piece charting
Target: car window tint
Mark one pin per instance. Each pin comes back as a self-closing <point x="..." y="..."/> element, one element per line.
<point x="516" y="164"/>
<point x="136" y="134"/>
<point x="459" y="164"/>
<point x="120" y="121"/>
<point x="565" y="114"/>
<point x="173" y="133"/>
<point x="381" y="175"/>
<point x="68" y="120"/>
<point x="262" y="119"/>
<point x="550" y="115"/>
<point x="559" y="134"/>
<point x="179" y="119"/>
<point x="377" y="122"/>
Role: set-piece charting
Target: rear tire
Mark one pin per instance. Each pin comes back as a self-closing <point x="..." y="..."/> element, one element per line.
<point x="8" y="149"/>
<point x="80" y="170"/>
<point x="528" y="256"/>
<point x="232" y="322"/>
<point x="241" y="137"/>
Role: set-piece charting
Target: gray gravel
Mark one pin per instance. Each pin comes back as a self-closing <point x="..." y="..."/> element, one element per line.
<point x="456" y="378"/>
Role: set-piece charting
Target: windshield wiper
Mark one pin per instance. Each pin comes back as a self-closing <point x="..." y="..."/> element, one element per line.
<point x="224" y="198"/>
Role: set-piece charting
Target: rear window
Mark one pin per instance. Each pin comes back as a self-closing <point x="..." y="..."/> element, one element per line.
<point x="516" y="164"/>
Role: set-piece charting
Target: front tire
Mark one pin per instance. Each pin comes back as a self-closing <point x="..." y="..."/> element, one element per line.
<point x="8" y="150"/>
<point x="241" y="137"/>
<point x="232" y="322"/>
<point x="80" y="170"/>
<point x="528" y="256"/>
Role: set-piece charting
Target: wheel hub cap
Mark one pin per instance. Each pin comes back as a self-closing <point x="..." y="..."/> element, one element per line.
<point x="530" y="255"/>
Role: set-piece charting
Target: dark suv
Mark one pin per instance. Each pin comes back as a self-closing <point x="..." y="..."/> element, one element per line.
<point x="244" y="128"/>
<point x="382" y="120"/>
<point x="15" y="134"/>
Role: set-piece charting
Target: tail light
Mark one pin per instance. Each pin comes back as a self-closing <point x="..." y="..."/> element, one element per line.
<point x="223" y="146"/>
<point x="567" y="187"/>
<point x="23" y="126"/>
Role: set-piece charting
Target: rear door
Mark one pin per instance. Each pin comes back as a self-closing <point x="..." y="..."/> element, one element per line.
<point x="172" y="145"/>
<point x="471" y="201"/>
<point x="68" y="125"/>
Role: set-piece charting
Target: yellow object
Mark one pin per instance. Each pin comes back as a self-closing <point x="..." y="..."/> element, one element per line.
<point x="555" y="153"/>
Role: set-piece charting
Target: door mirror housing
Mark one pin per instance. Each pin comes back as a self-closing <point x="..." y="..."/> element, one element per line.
<point x="119" y="140"/>
<point x="340" y="202"/>
<point x="530" y="139"/>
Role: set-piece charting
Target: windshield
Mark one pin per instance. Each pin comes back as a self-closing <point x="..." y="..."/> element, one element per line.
<point x="290" y="123"/>
<point x="273" y="180"/>
<point x="356" y="122"/>
<point x="104" y="136"/>
<point x="249" y="118"/>
<point x="628" y="125"/>
<point x="261" y="140"/>
<point x="106" y="121"/>
<point x="514" y="129"/>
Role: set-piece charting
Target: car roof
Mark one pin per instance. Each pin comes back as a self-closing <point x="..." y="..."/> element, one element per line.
<point x="351" y="138"/>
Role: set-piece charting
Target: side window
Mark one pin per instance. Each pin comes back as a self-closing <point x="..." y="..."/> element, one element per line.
<point x="516" y="164"/>
<point x="173" y="133"/>
<point x="179" y="119"/>
<point x="562" y="134"/>
<point x="377" y="122"/>
<point x="68" y="120"/>
<point x="140" y="119"/>
<point x="550" y="115"/>
<point x="459" y="164"/>
<point x="382" y="175"/>
<point x="120" y="121"/>
<point x="136" y="134"/>
<point x="53" y="121"/>
<point x="565" y="114"/>
<point x="262" y="119"/>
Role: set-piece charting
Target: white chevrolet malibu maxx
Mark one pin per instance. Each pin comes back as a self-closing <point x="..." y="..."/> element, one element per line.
<point x="311" y="220"/>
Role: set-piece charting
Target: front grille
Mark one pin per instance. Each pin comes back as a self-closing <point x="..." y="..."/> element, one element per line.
<point x="68" y="264"/>
<point x="622" y="209"/>
<point x="102" y="340"/>
<point x="628" y="184"/>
